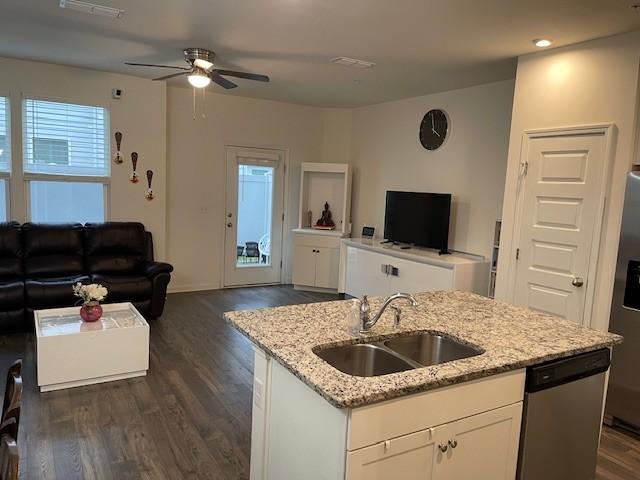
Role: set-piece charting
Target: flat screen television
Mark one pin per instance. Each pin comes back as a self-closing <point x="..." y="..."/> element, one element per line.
<point x="420" y="219"/>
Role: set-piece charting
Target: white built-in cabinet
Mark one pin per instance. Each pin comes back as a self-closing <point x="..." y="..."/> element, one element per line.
<point x="316" y="261"/>
<point x="485" y="444"/>
<point x="316" y="257"/>
<point x="467" y="430"/>
<point x="369" y="268"/>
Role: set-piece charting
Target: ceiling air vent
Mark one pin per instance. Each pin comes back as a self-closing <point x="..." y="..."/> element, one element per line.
<point x="352" y="62"/>
<point x="92" y="8"/>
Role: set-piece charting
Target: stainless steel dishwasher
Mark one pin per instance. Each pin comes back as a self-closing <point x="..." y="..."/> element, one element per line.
<point x="562" y="417"/>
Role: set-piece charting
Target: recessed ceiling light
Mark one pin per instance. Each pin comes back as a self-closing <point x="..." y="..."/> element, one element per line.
<point x="92" y="8"/>
<point x="542" y="42"/>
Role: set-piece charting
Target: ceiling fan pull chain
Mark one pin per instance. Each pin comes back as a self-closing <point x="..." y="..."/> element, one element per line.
<point x="194" y="103"/>
<point x="204" y="103"/>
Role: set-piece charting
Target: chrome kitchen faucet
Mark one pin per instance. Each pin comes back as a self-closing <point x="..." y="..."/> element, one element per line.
<point x="366" y="322"/>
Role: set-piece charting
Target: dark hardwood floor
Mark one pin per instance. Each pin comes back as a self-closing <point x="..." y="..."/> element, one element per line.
<point x="190" y="417"/>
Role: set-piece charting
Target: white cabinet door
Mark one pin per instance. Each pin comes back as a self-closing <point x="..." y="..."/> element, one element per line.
<point x="410" y="457"/>
<point x="481" y="447"/>
<point x="327" y="266"/>
<point x="304" y="265"/>
<point x="414" y="277"/>
<point x="364" y="273"/>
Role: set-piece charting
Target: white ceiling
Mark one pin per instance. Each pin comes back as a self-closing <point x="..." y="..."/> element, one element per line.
<point x="419" y="46"/>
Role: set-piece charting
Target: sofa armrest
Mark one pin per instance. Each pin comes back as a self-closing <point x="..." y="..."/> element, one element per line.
<point x="151" y="269"/>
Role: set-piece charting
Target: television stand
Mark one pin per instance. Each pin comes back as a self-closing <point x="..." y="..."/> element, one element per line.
<point x="420" y="270"/>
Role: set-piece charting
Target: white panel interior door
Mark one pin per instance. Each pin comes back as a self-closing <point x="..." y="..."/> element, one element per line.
<point x="562" y="202"/>
<point x="254" y="216"/>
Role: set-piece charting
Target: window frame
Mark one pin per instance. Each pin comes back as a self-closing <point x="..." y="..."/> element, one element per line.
<point x="6" y="176"/>
<point x="29" y="177"/>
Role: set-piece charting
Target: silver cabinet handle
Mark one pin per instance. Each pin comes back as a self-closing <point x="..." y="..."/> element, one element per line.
<point x="577" y="282"/>
<point x="453" y="443"/>
<point x="443" y="448"/>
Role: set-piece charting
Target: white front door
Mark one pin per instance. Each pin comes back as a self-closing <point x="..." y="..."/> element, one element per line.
<point x="562" y="202"/>
<point x="254" y="216"/>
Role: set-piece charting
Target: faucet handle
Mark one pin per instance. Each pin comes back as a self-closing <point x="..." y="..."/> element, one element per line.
<point x="397" y="314"/>
<point x="364" y="305"/>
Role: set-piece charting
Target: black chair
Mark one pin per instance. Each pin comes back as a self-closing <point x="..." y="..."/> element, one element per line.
<point x="252" y="251"/>
<point x="10" y="419"/>
<point x="240" y="251"/>
<point x="9" y="458"/>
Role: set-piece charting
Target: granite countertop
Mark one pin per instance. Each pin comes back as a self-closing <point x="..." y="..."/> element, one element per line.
<point x="511" y="338"/>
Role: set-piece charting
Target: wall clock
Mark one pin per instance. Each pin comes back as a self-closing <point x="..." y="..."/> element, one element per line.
<point x="434" y="129"/>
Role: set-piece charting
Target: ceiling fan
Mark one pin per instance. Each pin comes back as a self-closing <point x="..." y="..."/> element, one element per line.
<point x="201" y="70"/>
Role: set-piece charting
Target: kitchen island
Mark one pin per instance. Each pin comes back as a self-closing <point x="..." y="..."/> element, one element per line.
<point x="310" y="420"/>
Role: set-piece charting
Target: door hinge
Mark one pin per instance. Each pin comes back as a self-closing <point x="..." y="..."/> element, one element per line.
<point x="517" y="253"/>
<point x="280" y="263"/>
<point x="524" y="169"/>
<point x="283" y="217"/>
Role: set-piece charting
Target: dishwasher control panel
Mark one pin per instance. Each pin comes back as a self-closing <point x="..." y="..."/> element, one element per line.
<point x="565" y="370"/>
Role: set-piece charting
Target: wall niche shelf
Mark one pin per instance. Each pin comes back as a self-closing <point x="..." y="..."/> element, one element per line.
<point x="316" y="252"/>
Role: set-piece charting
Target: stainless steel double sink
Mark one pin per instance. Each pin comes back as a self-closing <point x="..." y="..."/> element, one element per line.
<point x="396" y="354"/>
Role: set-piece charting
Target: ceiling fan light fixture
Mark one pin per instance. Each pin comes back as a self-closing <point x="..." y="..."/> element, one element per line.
<point x="199" y="79"/>
<point x="202" y="63"/>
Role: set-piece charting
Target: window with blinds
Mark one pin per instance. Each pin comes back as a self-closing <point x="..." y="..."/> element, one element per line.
<point x="65" y="139"/>
<point x="5" y="140"/>
<point x="5" y="158"/>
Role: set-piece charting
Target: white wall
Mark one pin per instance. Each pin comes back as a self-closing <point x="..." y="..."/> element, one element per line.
<point x="336" y="135"/>
<point x="591" y="83"/>
<point x="140" y="115"/>
<point x="387" y="155"/>
<point x="197" y="172"/>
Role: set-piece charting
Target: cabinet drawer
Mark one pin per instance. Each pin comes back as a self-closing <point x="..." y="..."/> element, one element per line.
<point x="410" y="457"/>
<point x="316" y="240"/>
<point x="394" y="418"/>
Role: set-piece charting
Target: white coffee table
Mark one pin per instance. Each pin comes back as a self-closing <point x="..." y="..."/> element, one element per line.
<point x="71" y="353"/>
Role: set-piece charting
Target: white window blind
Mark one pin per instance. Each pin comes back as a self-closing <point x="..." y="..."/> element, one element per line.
<point x="65" y="139"/>
<point x="5" y="140"/>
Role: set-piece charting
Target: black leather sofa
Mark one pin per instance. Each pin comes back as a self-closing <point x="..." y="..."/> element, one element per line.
<point x="39" y="263"/>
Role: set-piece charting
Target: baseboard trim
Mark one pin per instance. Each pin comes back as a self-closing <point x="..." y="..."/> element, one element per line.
<point x="191" y="288"/>
<point x="315" y="289"/>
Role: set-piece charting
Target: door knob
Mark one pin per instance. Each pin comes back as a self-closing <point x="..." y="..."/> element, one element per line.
<point x="453" y="443"/>
<point x="577" y="282"/>
<point x="229" y="215"/>
<point x="443" y="448"/>
<point x="229" y="224"/>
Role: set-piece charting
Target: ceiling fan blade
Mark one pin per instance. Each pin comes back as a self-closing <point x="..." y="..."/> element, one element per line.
<point x="167" y="77"/>
<point x="223" y="82"/>
<point x="153" y="65"/>
<point x="248" y="76"/>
